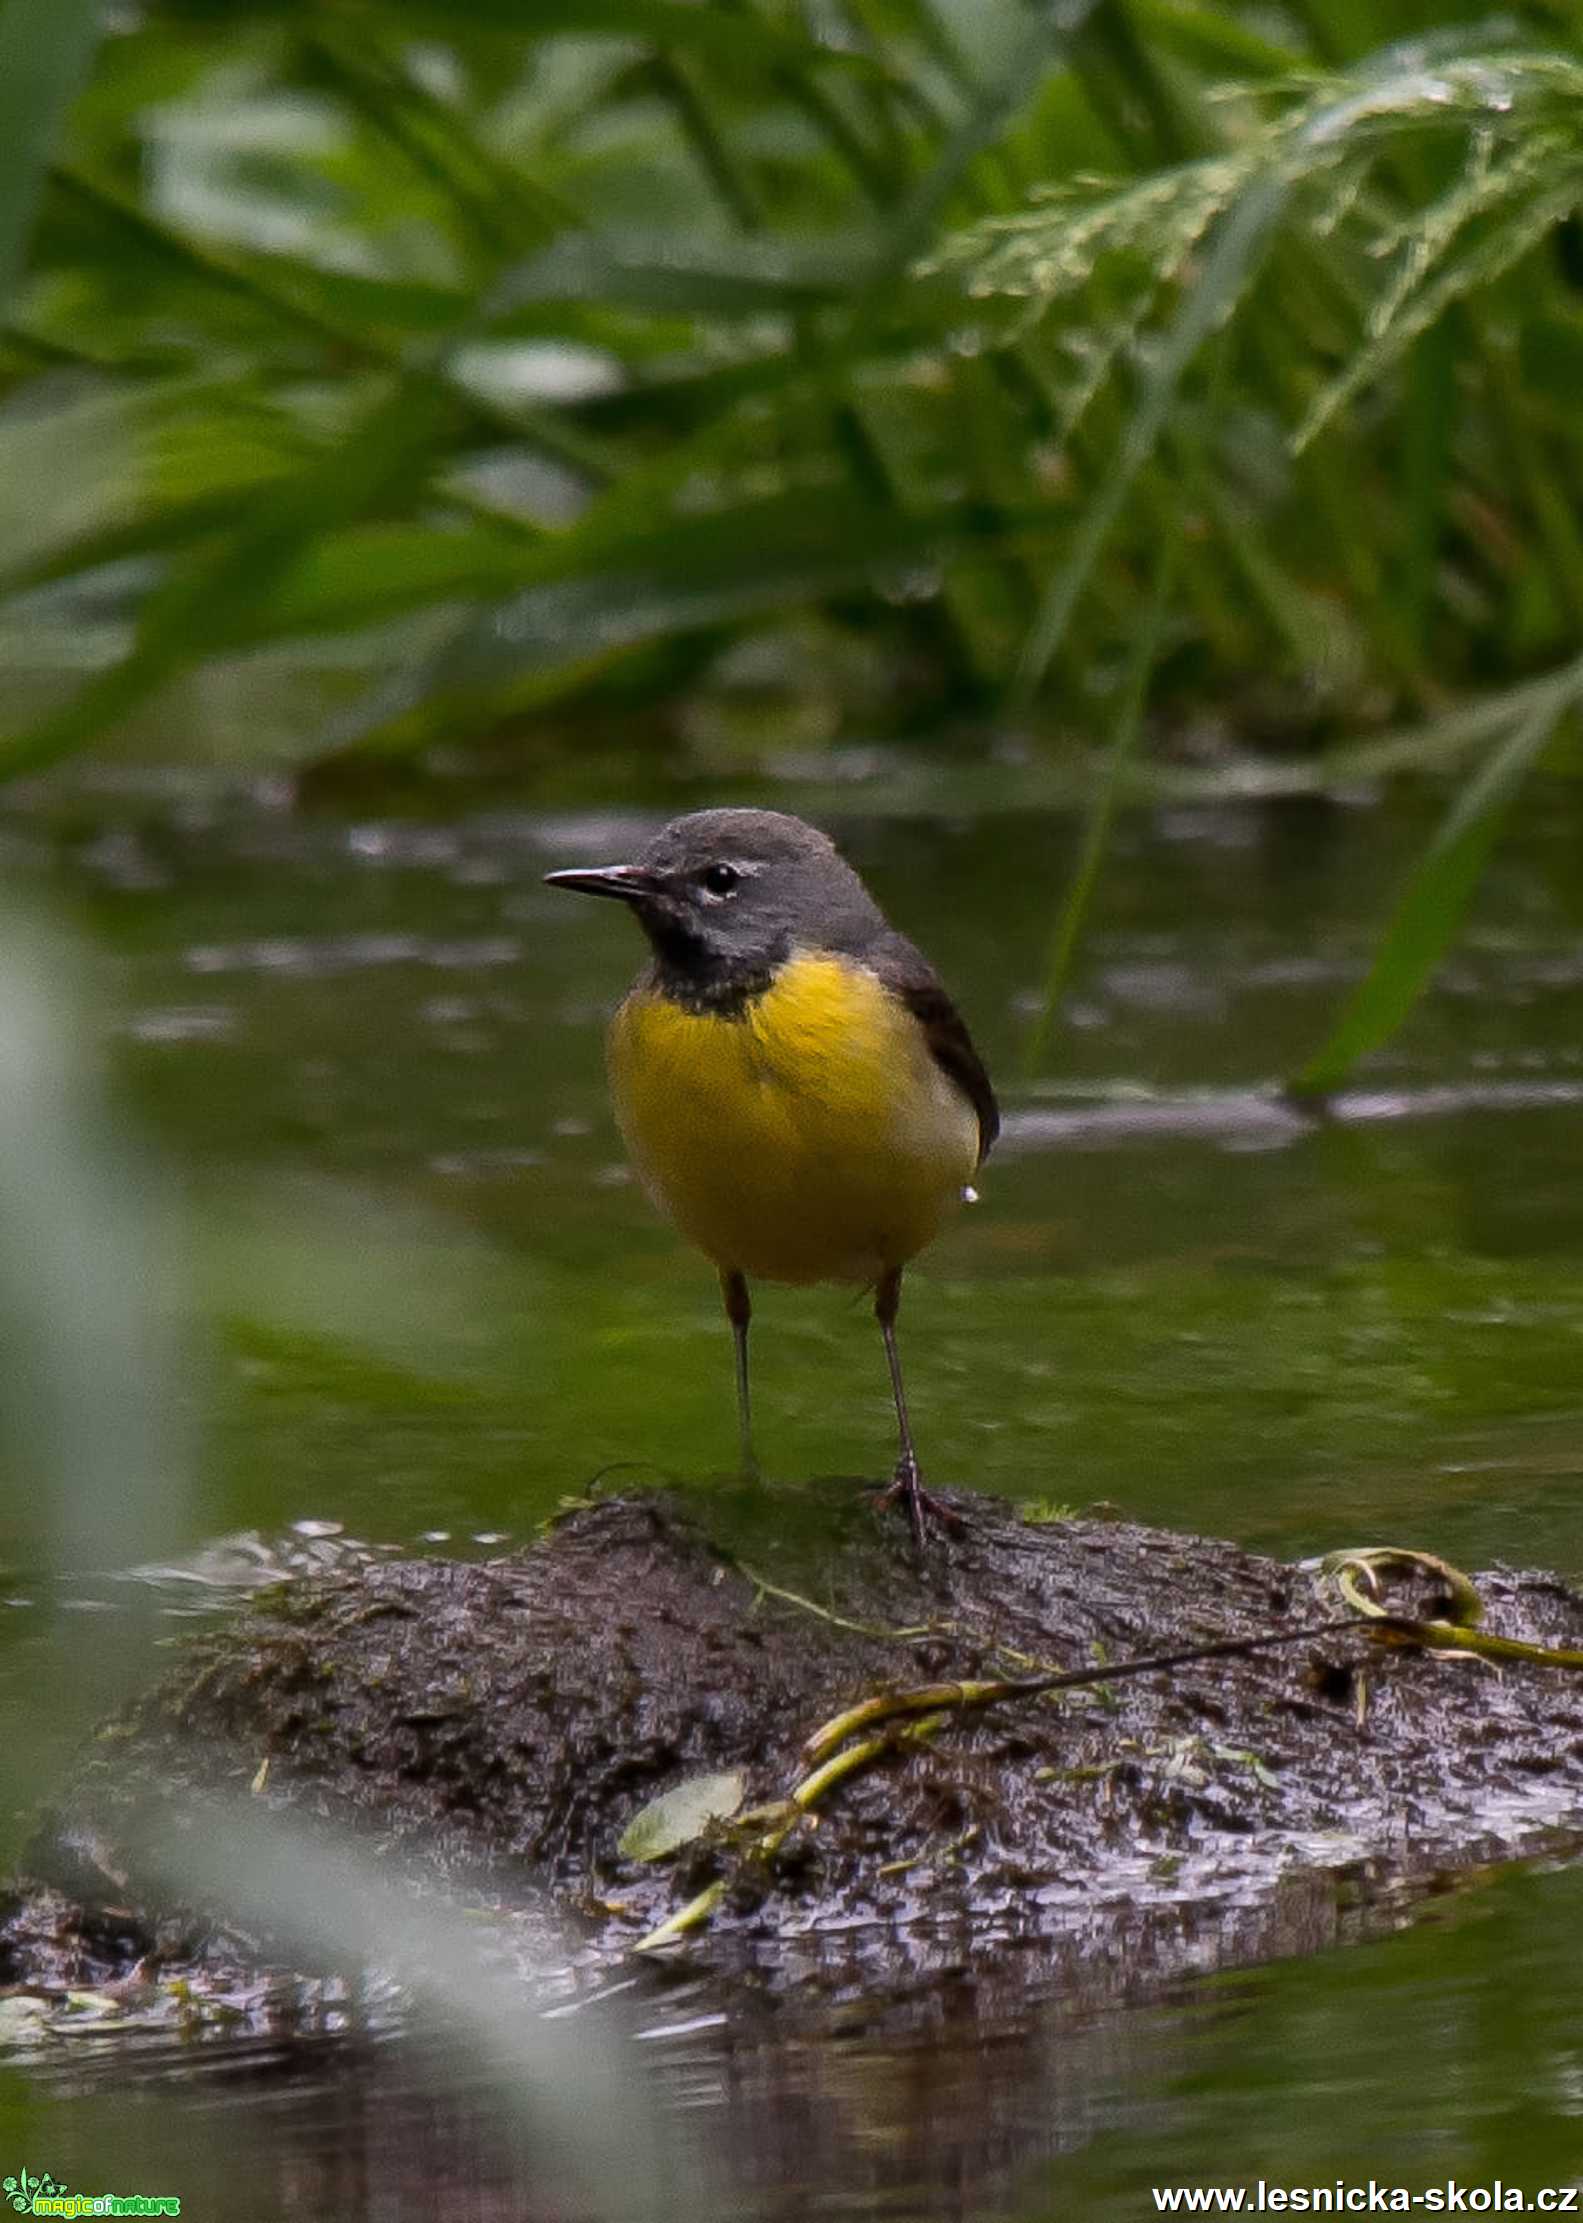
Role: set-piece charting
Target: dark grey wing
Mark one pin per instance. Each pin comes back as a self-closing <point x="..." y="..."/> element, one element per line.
<point x="909" y="974"/>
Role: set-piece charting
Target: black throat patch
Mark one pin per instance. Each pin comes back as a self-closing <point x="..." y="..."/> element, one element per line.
<point x="707" y="982"/>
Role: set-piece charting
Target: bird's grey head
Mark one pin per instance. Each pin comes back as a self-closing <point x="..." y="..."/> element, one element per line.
<point x="726" y="895"/>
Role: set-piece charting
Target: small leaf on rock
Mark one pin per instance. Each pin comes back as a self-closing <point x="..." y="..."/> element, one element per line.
<point x="680" y="1814"/>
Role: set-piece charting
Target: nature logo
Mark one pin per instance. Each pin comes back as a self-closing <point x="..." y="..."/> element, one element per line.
<point x="21" y="2190"/>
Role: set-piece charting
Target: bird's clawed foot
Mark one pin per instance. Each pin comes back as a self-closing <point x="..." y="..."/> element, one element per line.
<point x="922" y="1505"/>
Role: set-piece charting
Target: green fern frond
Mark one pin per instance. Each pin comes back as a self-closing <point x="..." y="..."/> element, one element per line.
<point x="1054" y="247"/>
<point x="1338" y="148"/>
<point x="1490" y="220"/>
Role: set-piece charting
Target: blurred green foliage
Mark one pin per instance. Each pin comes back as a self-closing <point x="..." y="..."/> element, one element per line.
<point x="435" y="362"/>
<point x="382" y="374"/>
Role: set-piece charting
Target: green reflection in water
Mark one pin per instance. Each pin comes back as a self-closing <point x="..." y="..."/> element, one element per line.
<point x="385" y="1039"/>
<point x="430" y="1300"/>
<point x="1453" y="2053"/>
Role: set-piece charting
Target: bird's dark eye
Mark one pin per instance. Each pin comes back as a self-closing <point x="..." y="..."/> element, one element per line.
<point x="720" y="879"/>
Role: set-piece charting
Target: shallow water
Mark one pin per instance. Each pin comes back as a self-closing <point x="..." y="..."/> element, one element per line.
<point x="430" y="1304"/>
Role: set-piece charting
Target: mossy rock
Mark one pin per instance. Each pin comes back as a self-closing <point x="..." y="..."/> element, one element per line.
<point x="505" y="1722"/>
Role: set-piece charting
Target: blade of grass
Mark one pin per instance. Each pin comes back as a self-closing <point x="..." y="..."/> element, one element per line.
<point x="1074" y="910"/>
<point x="751" y="277"/>
<point x="1147" y="113"/>
<point x="988" y="118"/>
<point x="1214" y="38"/>
<point x="593" y="592"/>
<point x="495" y="202"/>
<point x="879" y="175"/>
<point x="367" y="574"/>
<point x="288" y="295"/>
<point x="328" y="307"/>
<point x="734" y="185"/>
<point x="1546" y="497"/>
<point x="45" y="49"/>
<point x="1427" y="443"/>
<point x="135" y="468"/>
<point x="1433" y="905"/>
<point x="1234" y="250"/>
<point x="209" y="600"/>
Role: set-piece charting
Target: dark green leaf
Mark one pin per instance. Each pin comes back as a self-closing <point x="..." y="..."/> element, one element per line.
<point x="1238" y="241"/>
<point x="1432" y="909"/>
<point x="1079" y="896"/>
<point x="45" y="48"/>
<point x="209" y="601"/>
<point x="607" y="586"/>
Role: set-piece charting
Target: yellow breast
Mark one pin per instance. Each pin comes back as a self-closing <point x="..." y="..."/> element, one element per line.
<point x="811" y="1138"/>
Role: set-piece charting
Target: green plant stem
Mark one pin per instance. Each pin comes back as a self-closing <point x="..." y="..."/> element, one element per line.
<point x="1434" y="902"/>
<point x="1101" y="813"/>
<point x="735" y="189"/>
<point x="933" y="1697"/>
<point x="1234" y="250"/>
<point x="1543" y="491"/>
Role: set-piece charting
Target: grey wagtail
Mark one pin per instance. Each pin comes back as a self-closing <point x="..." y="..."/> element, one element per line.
<point x="796" y="1088"/>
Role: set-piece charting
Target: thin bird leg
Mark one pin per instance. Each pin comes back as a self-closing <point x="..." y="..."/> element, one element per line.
<point x="739" y="1311"/>
<point x="922" y="1507"/>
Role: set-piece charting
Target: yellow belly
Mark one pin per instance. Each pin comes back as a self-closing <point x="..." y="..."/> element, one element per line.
<point x="813" y="1138"/>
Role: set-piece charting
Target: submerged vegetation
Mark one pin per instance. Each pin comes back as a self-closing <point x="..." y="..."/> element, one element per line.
<point x="378" y="375"/>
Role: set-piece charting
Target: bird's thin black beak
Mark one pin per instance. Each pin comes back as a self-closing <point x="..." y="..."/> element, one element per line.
<point x="627" y="883"/>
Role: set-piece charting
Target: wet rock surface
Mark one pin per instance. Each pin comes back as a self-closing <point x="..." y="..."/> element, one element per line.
<point x="502" y="1723"/>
